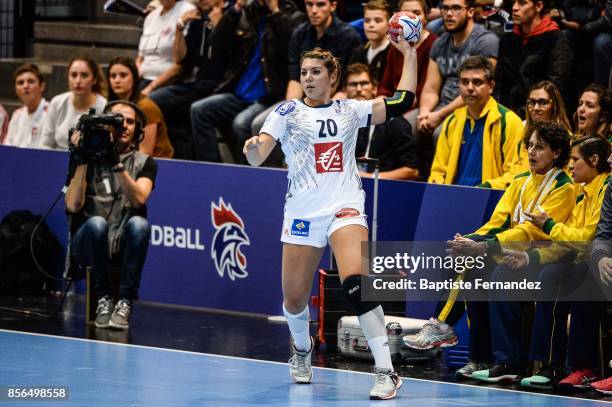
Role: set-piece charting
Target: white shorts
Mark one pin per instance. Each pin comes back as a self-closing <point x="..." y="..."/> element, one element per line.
<point x="316" y="231"/>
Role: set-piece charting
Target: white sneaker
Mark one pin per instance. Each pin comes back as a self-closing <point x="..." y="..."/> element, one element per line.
<point x="431" y="336"/>
<point x="386" y="384"/>
<point x="300" y="366"/>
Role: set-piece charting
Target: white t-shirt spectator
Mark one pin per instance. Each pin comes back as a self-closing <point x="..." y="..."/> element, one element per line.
<point x="61" y="117"/>
<point x="3" y="124"/>
<point x="158" y="38"/>
<point x="24" y="129"/>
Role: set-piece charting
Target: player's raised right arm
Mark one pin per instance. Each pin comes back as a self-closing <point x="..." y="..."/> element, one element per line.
<point x="401" y="101"/>
<point x="258" y="148"/>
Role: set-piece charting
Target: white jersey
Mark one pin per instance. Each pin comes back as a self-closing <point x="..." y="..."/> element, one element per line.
<point x="25" y="128"/>
<point x="319" y="146"/>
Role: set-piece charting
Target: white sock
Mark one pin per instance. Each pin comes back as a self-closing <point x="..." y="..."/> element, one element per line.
<point x="380" y="349"/>
<point x="298" y="325"/>
<point x="373" y="326"/>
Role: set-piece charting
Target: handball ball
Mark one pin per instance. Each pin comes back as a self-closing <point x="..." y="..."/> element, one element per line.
<point x="406" y="21"/>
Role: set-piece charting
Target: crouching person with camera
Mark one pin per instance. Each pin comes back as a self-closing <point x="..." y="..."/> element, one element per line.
<point x="109" y="184"/>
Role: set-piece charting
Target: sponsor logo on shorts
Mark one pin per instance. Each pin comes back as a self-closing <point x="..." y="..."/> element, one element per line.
<point x="328" y="157"/>
<point x="285" y="108"/>
<point x="347" y="213"/>
<point x="300" y="228"/>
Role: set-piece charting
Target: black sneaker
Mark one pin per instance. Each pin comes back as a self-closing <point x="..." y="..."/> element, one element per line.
<point x="466" y="371"/>
<point x="498" y="373"/>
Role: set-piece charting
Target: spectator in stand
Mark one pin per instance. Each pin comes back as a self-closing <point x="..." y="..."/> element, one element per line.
<point x="87" y="87"/>
<point x="545" y="104"/>
<point x="257" y="36"/>
<point x="193" y="51"/>
<point x="24" y="128"/>
<point x="155" y="59"/>
<point x="602" y="46"/>
<point x="585" y="23"/>
<point x="601" y="261"/>
<point x="492" y="16"/>
<point x="534" y="51"/>
<point x="374" y="52"/>
<point x="594" y="113"/>
<point x="440" y="96"/>
<point x="391" y="142"/>
<point x="393" y="69"/>
<point x="4" y="120"/>
<point x="324" y="30"/>
<point x="475" y="133"/>
<point x="123" y="83"/>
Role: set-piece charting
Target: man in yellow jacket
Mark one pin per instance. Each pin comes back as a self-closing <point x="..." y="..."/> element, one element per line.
<point x="480" y="143"/>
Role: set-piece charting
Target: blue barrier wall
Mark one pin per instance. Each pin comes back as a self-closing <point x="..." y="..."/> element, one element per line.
<point x="191" y="240"/>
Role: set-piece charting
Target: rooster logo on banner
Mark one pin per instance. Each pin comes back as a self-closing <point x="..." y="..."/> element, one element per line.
<point x="229" y="236"/>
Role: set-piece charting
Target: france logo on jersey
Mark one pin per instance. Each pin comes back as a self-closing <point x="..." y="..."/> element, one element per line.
<point x="285" y="108"/>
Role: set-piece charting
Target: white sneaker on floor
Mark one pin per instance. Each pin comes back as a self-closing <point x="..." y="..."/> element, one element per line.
<point x="300" y="366"/>
<point x="386" y="384"/>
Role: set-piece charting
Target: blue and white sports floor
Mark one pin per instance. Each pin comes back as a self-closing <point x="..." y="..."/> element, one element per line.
<point x="109" y="374"/>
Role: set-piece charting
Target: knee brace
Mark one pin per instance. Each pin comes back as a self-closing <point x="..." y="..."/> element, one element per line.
<point x="354" y="286"/>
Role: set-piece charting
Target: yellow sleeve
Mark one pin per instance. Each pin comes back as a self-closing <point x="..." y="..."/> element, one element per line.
<point x="562" y="232"/>
<point x="440" y="161"/>
<point x="515" y="161"/>
<point x="558" y="205"/>
<point x="502" y="215"/>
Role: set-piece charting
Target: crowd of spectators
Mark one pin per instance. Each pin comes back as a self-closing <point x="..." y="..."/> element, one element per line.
<point x="210" y="71"/>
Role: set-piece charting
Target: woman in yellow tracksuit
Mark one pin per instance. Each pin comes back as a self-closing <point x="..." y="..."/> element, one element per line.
<point x="549" y="335"/>
<point x="545" y="187"/>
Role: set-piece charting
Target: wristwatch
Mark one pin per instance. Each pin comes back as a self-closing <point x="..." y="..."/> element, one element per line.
<point x="118" y="168"/>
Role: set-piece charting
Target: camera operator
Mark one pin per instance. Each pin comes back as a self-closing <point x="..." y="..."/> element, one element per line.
<point x="106" y="199"/>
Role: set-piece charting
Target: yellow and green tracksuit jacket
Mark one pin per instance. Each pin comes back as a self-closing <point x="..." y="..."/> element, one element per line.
<point x="503" y="155"/>
<point x="581" y="226"/>
<point x="558" y="204"/>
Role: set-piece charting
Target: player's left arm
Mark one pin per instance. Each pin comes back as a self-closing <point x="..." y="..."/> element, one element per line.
<point x="401" y="101"/>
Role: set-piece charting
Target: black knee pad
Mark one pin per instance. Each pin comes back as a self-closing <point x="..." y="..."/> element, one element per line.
<point x="354" y="286"/>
